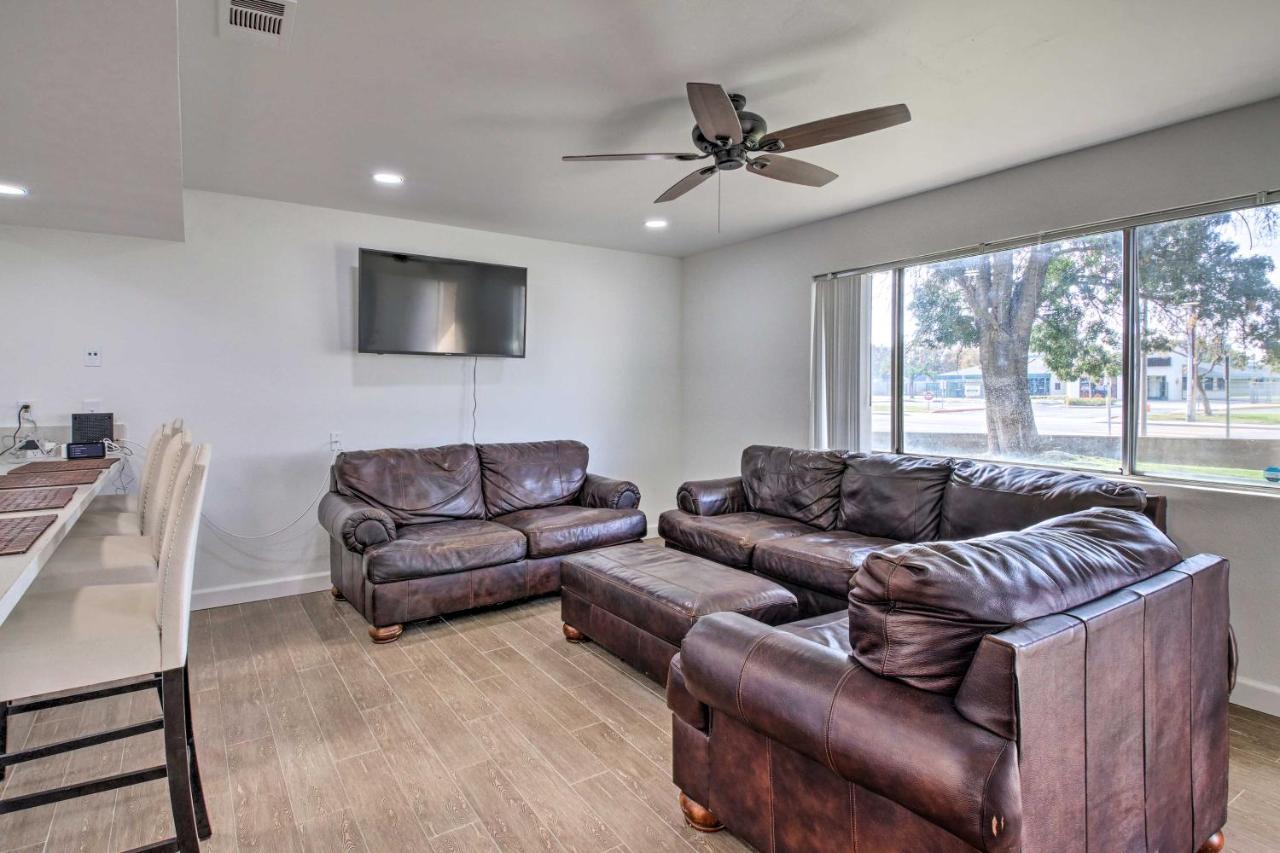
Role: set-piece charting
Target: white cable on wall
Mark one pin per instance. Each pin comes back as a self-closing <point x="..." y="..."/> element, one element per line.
<point x="250" y="537"/>
<point x="231" y="533"/>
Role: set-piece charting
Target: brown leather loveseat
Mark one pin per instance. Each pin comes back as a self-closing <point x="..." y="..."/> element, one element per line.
<point x="805" y="519"/>
<point x="418" y="533"/>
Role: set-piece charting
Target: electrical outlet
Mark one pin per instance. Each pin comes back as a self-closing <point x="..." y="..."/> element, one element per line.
<point x="92" y="405"/>
<point x="93" y="357"/>
<point x="335" y="442"/>
<point x="25" y="401"/>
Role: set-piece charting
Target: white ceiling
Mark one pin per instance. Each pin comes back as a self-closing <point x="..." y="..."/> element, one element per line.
<point x="475" y="102"/>
<point x="89" y="116"/>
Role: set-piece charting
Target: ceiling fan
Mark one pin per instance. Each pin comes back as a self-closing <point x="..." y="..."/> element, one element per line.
<point x="726" y="131"/>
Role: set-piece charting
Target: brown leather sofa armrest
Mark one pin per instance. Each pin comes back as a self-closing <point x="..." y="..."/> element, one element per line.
<point x="354" y="523"/>
<point x="1157" y="509"/>
<point x="712" y="497"/>
<point x="873" y="731"/>
<point x="988" y="696"/>
<point x="606" y="493"/>
<point x="1233" y="659"/>
<point x="680" y="701"/>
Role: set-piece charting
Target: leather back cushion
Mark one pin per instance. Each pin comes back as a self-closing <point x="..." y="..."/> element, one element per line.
<point x="894" y="497"/>
<point x="802" y="485"/>
<point x="984" y="498"/>
<point x="414" y="486"/>
<point x="918" y="612"/>
<point x="531" y="474"/>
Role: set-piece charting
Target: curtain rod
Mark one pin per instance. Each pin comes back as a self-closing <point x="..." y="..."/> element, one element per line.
<point x="1227" y="204"/>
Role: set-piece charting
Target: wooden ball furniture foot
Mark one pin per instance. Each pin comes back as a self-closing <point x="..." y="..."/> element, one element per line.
<point x="573" y="635"/>
<point x="388" y="634"/>
<point x="699" y="816"/>
<point x="1215" y="844"/>
<point x="333" y="590"/>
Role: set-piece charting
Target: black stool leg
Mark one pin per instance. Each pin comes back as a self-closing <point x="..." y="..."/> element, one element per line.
<point x="197" y="789"/>
<point x="177" y="760"/>
<point x="4" y="733"/>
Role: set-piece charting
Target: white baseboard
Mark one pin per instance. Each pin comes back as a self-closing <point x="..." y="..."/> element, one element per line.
<point x="651" y="532"/>
<point x="239" y="593"/>
<point x="1257" y="695"/>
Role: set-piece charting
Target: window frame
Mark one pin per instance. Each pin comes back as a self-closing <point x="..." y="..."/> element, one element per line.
<point x="1132" y="357"/>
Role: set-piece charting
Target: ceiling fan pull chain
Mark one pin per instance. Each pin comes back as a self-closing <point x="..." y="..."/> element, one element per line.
<point x="719" y="199"/>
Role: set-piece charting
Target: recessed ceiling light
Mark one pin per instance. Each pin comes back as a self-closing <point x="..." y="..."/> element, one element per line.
<point x="655" y="223"/>
<point x="12" y="189"/>
<point x="388" y="178"/>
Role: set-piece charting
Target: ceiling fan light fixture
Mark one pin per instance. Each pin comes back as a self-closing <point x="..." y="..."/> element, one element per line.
<point x="656" y="224"/>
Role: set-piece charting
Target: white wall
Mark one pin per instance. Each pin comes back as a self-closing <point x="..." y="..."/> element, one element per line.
<point x="247" y="331"/>
<point x="746" y="318"/>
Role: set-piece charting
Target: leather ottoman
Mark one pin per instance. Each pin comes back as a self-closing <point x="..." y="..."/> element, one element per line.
<point x="639" y="600"/>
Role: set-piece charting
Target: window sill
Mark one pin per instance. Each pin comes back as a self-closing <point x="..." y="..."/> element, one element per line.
<point x="1150" y="482"/>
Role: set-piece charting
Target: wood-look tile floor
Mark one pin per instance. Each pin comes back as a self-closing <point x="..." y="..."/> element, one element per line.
<point x="477" y="733"/>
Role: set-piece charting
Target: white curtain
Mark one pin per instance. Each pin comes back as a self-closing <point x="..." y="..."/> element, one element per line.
<point x="836" y="364"/>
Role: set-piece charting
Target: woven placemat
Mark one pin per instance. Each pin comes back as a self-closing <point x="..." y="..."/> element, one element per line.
<point x="59" y="478"/>
<point x="17" y="535"/>
<point x="54" y="466"/>
<point x="26" y="500"/>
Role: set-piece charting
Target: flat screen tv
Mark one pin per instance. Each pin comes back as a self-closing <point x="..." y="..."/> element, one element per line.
<point x="418" y="305"/>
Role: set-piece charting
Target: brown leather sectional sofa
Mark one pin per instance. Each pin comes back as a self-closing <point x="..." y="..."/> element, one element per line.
<point x="418" y="533"/>
<point x="1059" y="687"/>
<point x="805" y="519"/>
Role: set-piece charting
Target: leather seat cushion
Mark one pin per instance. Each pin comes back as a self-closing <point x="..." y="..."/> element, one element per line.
<point x="442" y="548"/>
<point x="822" y="561"/>
<point x="917" y="613"/>
<point x="60" y="639"/>
<point x="802" y="485"/>
<point x="728" y="539"/>
<point x="894" y="496"/>
<point x="98" y="560"/>
<point x="531" y="474"/>
<point x="414" y="486"/>
<point x="982" y="498"/>
<point x="556" y="530"/>
<point x="665" y="591"/>
<point x="102" y="523"/>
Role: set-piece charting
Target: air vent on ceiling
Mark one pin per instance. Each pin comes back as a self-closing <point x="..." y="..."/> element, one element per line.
<point x="267" y="22"/>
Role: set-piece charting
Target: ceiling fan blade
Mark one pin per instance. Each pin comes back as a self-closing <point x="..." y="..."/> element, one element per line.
<point x="685" y="184"/>
<point x="791" y="170"/>
<point x="578" y="158"/>
<point x="838" y="127"/>
<point x="714" y="112"/>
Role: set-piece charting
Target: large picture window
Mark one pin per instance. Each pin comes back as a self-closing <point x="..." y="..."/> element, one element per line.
<point x="1209" y="325"/>
<point x="1016" y="355"/>
<point x="1145" y="348"/>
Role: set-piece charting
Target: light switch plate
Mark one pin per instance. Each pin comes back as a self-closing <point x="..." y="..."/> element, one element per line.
<point x="93" y="357"/>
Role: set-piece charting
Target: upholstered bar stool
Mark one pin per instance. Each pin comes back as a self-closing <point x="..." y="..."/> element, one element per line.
<point x="128" y="514"/>
<point x="122" y="557"/>
<point x="63" y="640"/>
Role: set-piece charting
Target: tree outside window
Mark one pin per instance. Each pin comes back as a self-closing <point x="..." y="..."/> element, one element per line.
<point x="1029" y="343"/>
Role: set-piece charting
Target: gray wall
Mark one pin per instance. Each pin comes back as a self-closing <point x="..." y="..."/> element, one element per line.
<point x="746" y="317"/>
